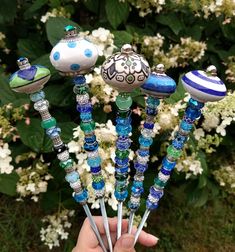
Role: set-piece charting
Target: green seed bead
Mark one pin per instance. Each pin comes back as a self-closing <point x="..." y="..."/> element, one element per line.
<point x="120" y="188"/>
<point x="122" y="154"/>
<point x="48" y="123"/>
<point x="159" y="183"/>
<point x="66" y="164"/>
<point x="97" y="179"/>
<point x="87" y="126"/>
<point x="173" y="152"/>
<point x="80" y="89"/>
<point x="123" y="101"/>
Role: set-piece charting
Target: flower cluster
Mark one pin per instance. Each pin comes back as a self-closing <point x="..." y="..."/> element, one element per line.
<point x="56" y="12"/>
<point x="103" y="93"/>
<point x="178" y="55"/>
<point x="204" y="8"/>
<point x="106" y="136"/>
<point x="226" y="177"/>
<point x="189" y="164"/>
<point x="5" y="159"/>
<point x="56" y="228"/>
<point x="33" y="180"/>
<point x="230" y="72"/>
<point x="8" y="117"/>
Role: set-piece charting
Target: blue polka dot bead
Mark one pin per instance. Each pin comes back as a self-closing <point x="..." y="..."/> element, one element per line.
<point x="204" y="86"/>
<point x="159" y="84"/>
<point x="73" y="55"/>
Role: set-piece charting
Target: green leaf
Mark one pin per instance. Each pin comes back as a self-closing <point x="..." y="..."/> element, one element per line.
<point x="122" y="37"/>
<point x="31" y="135"/>
<point x="8" y="11"/>
<point x="37" y="4"/>
<point x="198" y="198"/>
<point x="178" y="95"/>
<point x="59" y="95"/>
<point x="202" y="181"/>
<point x="67" y="130"/>
<point x="9" y="96"/>
<point x="117" y="12"/>
<point x="30" y="48"/>
<point x="92" y="5"/>
<point x="171" y="20"/>
<point x="55" y="28"/>
<point x="50" y="200"/>
<point x="8" y="183"/>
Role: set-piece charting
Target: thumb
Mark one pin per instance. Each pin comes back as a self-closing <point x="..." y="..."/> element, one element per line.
<point x="125" y="243"/>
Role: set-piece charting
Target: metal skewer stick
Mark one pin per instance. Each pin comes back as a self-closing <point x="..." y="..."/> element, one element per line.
<point x="119" y="225"/>
<point x="94" y="227"/>
<point x="157" y="86"/>
<point x="202" y="88"/>
<point x="73" y="48"/>
<point x="106" y="223"/>
<point x="34" y="88"/>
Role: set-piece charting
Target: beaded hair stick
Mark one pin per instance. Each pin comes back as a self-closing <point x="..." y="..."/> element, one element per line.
<point x="157" y="86"/>
<point x="74" y="56"/>
<point x="203" y="87"/>
<point x="30" y="80"/>
<point x="124" y="71"/>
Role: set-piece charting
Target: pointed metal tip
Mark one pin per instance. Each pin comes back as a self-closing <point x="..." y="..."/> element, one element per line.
<point x="106" y="224"/>
<point x="141" y="225"/>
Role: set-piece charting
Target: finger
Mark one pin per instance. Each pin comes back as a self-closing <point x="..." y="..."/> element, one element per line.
<point x="125" y="243"/>
<point x="113" y="224"/>
<point x="145" y="239"/>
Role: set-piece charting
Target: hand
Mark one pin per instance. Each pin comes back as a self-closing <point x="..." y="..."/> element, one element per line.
<point x="87" y="241"/>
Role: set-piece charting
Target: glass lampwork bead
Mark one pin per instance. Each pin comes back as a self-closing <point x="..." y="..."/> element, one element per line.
<point x="151" y="206"/>
<point x="173" y="152"/>
<point x="87" y="127"/>
<point x="122" y="154"/>
<point x="95" y="169"/>
<point x="125" y="70"/>
<point x="81" y="197"/>
<point x="121" y="196"/>
<point x="72" y="177"/>
<point x="123" y="102"/>
<point x="159" y="183"/>
<point x="93" y="162"/>
<point x="66" y="164"/>
<point x="48" y="123"/>
<point x="91" y="147"/>
<point x="86" y="116"/>
<point x="98" y="186"/>
<point x="40" y="95"/>
<point x="144" y="141"/>
<point x="123" y="130"/>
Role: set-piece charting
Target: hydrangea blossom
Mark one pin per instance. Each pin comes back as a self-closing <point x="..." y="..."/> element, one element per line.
<point x="5" y="159"/>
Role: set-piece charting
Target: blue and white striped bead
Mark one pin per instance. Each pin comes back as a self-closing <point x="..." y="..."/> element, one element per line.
<point x="204" y="86"/>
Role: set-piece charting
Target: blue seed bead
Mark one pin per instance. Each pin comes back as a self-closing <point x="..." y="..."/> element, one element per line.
<point x="121" y="196"/>
<point x="94" y="162"/>
<point x="53" y="132"/>
<point x="148" y="125"/>
<point x="192" y="113"/>
<point x="85" y="116"/>
<point x="79" y="80"/>
<point x="121" y="162"/>
<point x="167" y="164"/>
<point x="143" y="152"/>
<point x="123" y="130"/>
<point x="133" y="206"/>
<point x="165" y="171"/>
<point x="151" y="111"/>
<point x="85" y="108"/>
<point x="90" y="139"/>
<point x="37" y="96"/>
<point x="121" y="120"/>
<point x="140" y="167"/>
<point x="138" y="183"/>
<point x="137" y="191"/>
<point x="151" y="206"/>
<point x="195" y="104"/>
<point x="122" y="169"/>
<point x="91" y="147"/>
<point x="96" y="169"/>
<point x="156" y="193"/>
<point x="81" y="197"/>
<point x="72" y="177"/>
<point x="181" y="138"/>
<point x="144" y="141"/>
<point x="152" y="102"/>
<point x="98" y="185"/>
<point x="123" y="145"/>
<point x="178" y="144"/>
<point x="186" y="126"/>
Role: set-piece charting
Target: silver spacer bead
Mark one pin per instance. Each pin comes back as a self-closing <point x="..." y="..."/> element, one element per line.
<point x="63" y="156"/>
<point x="163" y="177"/>
<point x="82" y="99"/>
<point x="41" y="105"/>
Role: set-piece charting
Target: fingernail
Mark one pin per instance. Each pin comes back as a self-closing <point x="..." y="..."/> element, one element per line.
<point x="153" y="238"/>
<point x="128" y="242"/>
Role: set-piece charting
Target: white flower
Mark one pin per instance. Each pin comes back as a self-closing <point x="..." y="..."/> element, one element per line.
<point x="198" y="133"/>
<point x="30" y="187"/>
<point x="221" y="130"/>
<point x="109" y="168"/>
<point x="73" y="147"/>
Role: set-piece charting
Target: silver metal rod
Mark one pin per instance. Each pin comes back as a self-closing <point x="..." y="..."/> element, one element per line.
<point x="119" y="224"/>
<point x="94" y="227"/>
<point x="130" y="223"/>
<point x="141" y="225"/>
<point x="106" y="224"/>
